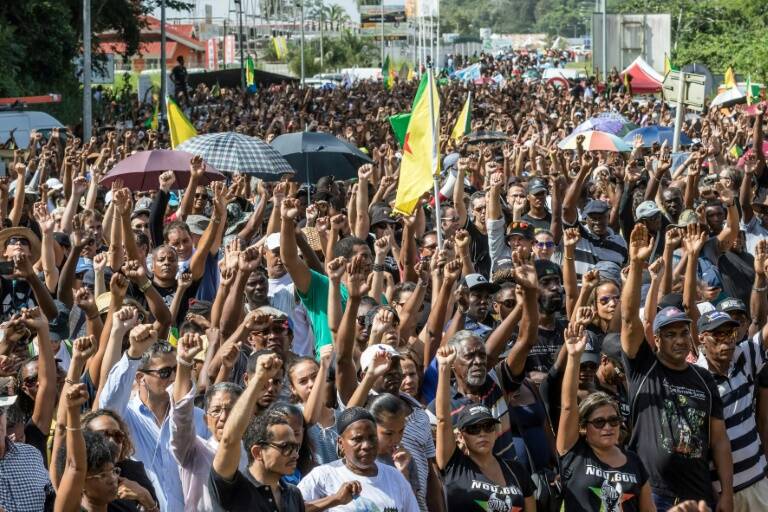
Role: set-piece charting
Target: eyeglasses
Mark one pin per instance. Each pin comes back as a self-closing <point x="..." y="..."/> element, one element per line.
<point x="449" y="219"/>
<point x="720" y="335"/>
<point x="114" y="472"/>
<point x="162" y="373"/>
<point x="201" y="196"/>
<point x="549" y="244"/>
<point x="116" y="435"/>
<point x="285" y="449"/>
<point x="607" y="299"/>
<point x="30" y="381"/>
<point x="507" y="303"/>
<point x="361" y="320"/>
<point x="218" y="412"/>
<point x="487" y="427"/>
<point x="599" y="423"/>
<point x="18" y="240"/>
<point x="279" y="328"/>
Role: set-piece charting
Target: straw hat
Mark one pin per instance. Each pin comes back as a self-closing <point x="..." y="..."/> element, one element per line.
<point x="34" y="242"/>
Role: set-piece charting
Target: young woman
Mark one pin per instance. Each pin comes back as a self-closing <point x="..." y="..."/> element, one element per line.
<point x="374" y="486"/>
<point x="473" y="475"/>
<point x="303" y="373"/>
<point x="597" y="473"/>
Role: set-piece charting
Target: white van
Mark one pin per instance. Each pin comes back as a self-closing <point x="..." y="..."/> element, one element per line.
<point x="567" y="73"/>
<point x="24" y="121"/>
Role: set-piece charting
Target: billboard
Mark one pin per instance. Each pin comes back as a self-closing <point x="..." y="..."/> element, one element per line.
<point x="395" y="19"/>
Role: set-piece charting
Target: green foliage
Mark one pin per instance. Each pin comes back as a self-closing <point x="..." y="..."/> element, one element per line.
<point x="311" y="63"/>
<point x="349" y="50"/>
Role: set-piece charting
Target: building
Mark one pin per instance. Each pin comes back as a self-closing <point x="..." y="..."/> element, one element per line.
<point x="181" y="41"/>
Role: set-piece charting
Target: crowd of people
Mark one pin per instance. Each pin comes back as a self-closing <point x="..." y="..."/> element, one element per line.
<point x="591" y="334"/>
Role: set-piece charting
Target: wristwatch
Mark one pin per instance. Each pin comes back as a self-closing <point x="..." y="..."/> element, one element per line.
<point x="145" y="286"/>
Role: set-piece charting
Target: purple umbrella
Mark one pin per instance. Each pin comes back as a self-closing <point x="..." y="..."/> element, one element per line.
<point x="605" y="124"/>
<point x="142" y="170"/>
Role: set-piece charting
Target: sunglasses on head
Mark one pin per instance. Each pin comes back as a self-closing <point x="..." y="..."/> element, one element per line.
<point x="599" y="423"/>
<point x="162" y="373"/>
<point x="487" y="427"/>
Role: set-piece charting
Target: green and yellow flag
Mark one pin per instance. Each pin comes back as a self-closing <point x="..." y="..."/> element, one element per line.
<point x="419" y="163"/>
<point x="399" y="122"/>
<point x="464" y="122"/>
<point x="154" y="121"/>
<point x="668" y="65"/>
<point x="281" y="46"/>
<point x="388" y="74"/>
<point x="627" y="84"/>
<point x="178" y="125"/>
<point x="250" y="72"/>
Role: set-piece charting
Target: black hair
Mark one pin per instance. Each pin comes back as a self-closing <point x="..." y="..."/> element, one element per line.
<point x="346" y="246"/>
<point x="251" y="366"/>
<point x="221" y="387"/>
<point x="189" y="326"/>
<point x="177" y="224"/>
<point x="158" y="348"/>
<point x="503" y="285"/>
<point x="386" y="403"/>
<point x="399" y="289"/>
<point x="99" y="451"/>
<point x="305" y="462"/>
<point x="258" y="431"/>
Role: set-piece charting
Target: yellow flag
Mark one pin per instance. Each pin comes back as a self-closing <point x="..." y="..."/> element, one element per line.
<point x="730" y="78"/>
<point x="463" y="122"/>
<point x="667" y="65"/>
<point x="178" y="124"/>
<point x="419" y="160"/>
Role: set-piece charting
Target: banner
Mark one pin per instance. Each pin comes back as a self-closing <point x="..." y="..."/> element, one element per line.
<point x="229" y="50"/>
<point x="395" y="19"/>
<point x="212" y="54"/>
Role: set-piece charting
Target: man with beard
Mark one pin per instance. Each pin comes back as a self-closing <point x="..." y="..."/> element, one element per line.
<point x="551" y="321"/>
<point x="598" y="241"/>
<point x="282" y="295"/>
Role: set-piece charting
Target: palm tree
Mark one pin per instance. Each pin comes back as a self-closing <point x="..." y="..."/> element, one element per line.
<point x="339" y="16"/>
<point x="321" y="13"/>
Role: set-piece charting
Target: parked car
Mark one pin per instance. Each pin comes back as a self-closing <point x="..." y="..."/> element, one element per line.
<point x="20" y="123"/>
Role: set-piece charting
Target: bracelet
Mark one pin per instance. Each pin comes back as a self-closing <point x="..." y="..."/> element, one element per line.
<point x="71" y="382"/>
<point x="145" y="286"/>
<point x="133" y="358"/>
<point x="215" y="220"/>
<point x="379" y="267"/>
<point x="762" y="289"/>
<point x="94" y="317"/>
<point x="73" y="429"/>
<point x="569" y="258"/>
<point x="184" y="363"/>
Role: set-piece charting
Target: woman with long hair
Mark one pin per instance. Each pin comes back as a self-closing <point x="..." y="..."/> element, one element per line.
<point x="597" y="473"/>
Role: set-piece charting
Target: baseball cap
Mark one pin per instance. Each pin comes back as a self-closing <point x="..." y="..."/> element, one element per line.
<point x="609" y="270"/>
<point x="711" y="277"/>
<point x="521" y="228"/>
<point x="6" y="401"/>
<point x="478" y="282"/>
<point x="382" y="214"/>
<point x="669" y="316"/>
<point x="646" y="210"/>
<point x="197" y="223"/>
<point x="732" y="304"/>
<point x="597" y="207"/>
<point x="473" y="414"/>
<point x="687" y="217"/>
<point x="367" y="356"/>
<point x="711" y="320"/>
<point x="142" y="207"/>
<point x="537" y="185"/>
<point x="611" y="346"/>
<point x="273" y="241"/>
<point x="671" y="300"/>
<point x="591" y="353"/>
<point x="546" y="268"/>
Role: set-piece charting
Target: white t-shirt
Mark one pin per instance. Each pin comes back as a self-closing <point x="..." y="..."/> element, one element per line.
<point x="282" y="296"/>
<point x="388" y="491"/>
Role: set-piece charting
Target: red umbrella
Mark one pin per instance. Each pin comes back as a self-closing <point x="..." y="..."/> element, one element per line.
<point x="142" y="170"/>
<point x="751" y="150"/>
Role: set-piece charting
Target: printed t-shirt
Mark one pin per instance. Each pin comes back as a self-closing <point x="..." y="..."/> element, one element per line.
<point x="589" y="484"/>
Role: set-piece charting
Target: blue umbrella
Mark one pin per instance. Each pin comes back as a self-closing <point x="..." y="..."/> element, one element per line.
<point x="656" y="134"/>
<point x="612" y="125"/>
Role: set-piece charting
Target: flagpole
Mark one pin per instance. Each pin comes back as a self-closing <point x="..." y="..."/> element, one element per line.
<point x="435" y="156"/>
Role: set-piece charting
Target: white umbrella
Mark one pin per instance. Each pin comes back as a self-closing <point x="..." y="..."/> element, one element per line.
<point x="729" y="97"/>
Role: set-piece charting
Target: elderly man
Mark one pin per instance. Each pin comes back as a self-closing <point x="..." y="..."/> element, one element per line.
<point x="19" y="285"/>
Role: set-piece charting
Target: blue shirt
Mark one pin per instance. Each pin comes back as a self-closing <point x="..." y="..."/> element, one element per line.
<point x="151" y="442"/>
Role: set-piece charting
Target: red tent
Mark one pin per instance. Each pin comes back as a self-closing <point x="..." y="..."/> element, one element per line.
<point x="645" y="79"/>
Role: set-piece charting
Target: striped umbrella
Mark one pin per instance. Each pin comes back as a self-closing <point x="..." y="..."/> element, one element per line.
<point x="596" y="141"/>
<point x="235" y="152"/>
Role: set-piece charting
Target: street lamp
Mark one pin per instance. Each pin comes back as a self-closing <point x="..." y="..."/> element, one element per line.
<point x="301" y="41"/>
<point x="239" y="4"/>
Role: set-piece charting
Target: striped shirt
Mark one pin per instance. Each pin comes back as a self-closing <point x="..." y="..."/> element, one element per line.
<point x="737" y="391"/>
<point x="590" y="249"/>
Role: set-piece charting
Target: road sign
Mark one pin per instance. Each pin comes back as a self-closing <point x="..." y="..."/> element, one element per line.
<point x="693" y="89"/>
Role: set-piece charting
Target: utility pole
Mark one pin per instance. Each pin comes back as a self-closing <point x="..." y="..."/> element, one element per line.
<point x="87" y="96"/>
<point x="301" y="11"/>
<point x="605" y="47"/>
<point x="242" y="41"/>
<point x="163" y="68"/>
<point x="382" y="32"/>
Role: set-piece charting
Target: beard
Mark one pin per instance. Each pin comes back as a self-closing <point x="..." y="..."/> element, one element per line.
<point x="551" y="303"/>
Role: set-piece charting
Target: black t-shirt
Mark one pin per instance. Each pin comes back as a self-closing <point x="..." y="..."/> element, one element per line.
<point x="469" y="490"/>
<point x="244" y="493"/>
<point x="671" y="410"/>
<point x="35" y="437"/>
<point x="589" y="484"/>
<point x="167" y="293"/>
<point x="478" y="247"/>
<point x="544" y="223"/>
<point x="14" y="295"/>
<point x="544" y="353"/>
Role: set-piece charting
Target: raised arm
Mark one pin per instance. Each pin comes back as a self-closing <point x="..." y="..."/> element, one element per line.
<point x="346" y="379"/>
<point x="70" y="490"/>
<point x="436" y="320"/>
<point x="693" y="241"/>
<point x="137" y="273"/>
<point x="445" y="443"/>
<point x="458" y="190"/>
<point x="18" y="198"/>
<point x="227" y="457"/>
<point x="573" y="193"/>
<point x="571" y="237"/>
<point x="632" y="333"/>
<point x="758" y="299"/>
<point x="335" y="269"/>
<point x="298" y="270"/>
<point x="45" y="398"/>
<point x="316" y="399"/>
<point x="568" y="429"/>
<point x="363" y="220"/>
<point x="525" y="277"/>
<point x="196" y="170"/>
<point x="210" y="235"/>
<point x="23" y="269"/>
<point x="46" y="223"/>
<point x="730" y="231"/>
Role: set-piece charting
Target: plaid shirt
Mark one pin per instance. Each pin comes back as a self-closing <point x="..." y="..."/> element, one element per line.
<point x="24" y="482"/>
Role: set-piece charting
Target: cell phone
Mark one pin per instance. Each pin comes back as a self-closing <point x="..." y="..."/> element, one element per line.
<point x="6" y="268"/>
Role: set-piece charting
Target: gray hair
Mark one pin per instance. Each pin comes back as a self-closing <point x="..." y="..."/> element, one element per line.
<point x="460" y="337"/>
<point x="159" y="348"/>
<point x="222" y="387"/>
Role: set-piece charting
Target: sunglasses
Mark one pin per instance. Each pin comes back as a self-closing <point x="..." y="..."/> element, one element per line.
<point x="545" y="245"/>
<point x="599" y="423"/>
<point x="487" y="427"/>
<point x="162" y="373"/>
<point x="280" y="328"/>
<point x="508" y="303"/>
<point x="116" y="435"/>
<point x="114" y="472"/>
<point x="607" y="299"/>
<point x="201" y="196"/>
<point x="361" y="320"/>
<point x="30" y="381"/>
<point x="18" y="240"/>
<point x="284" y="448"/>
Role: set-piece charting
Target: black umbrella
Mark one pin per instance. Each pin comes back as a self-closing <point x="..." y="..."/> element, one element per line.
<point x="316" y="154"/>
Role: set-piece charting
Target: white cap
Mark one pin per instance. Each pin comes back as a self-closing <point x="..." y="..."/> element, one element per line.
<point x="54" y="184"/>
<point x="5" y="401"/>
<point x="273" y="241"/>
<point x="367" y="356"/>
